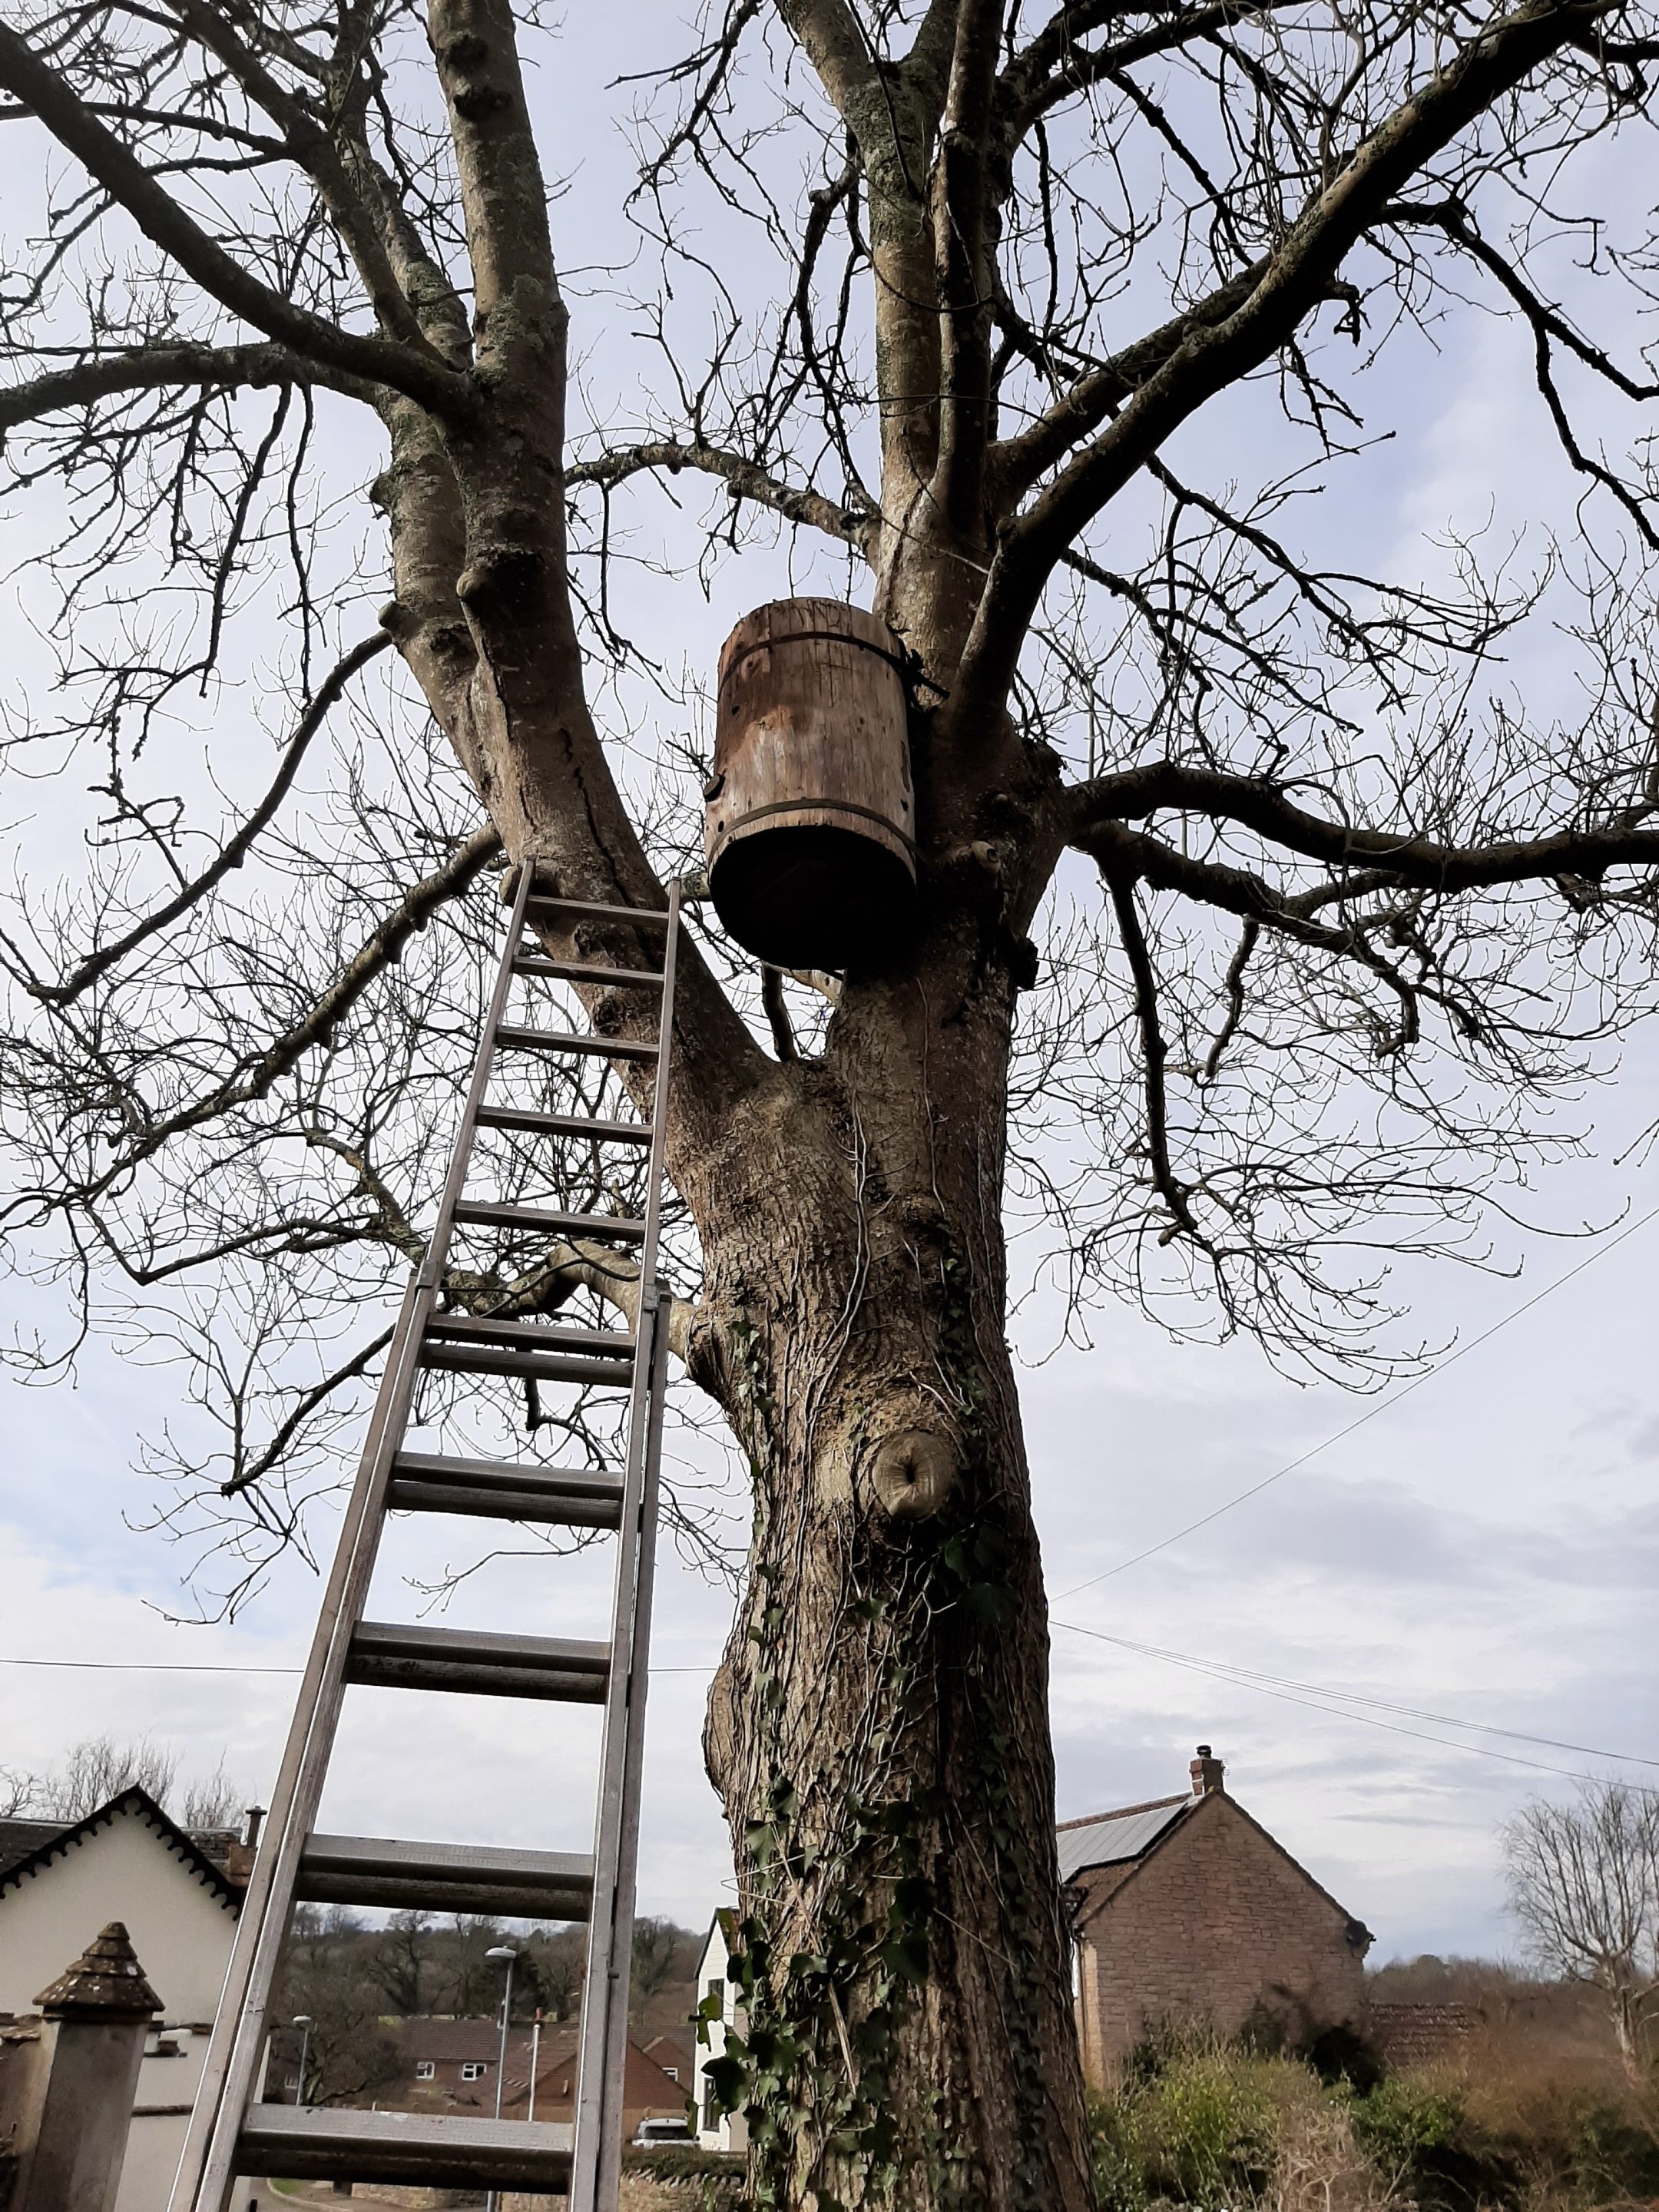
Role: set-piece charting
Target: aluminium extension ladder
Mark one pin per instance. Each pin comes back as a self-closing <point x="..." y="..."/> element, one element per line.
<point x="232" y="2133"/>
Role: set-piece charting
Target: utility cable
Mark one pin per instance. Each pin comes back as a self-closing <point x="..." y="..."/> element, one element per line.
<point x="1282" y="1685"/>
<point x="212" y="1667"/>
<point x="1383" y="1405"/>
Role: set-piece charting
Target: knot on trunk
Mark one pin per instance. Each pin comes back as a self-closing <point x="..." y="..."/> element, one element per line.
<point x="913" y="1473"/>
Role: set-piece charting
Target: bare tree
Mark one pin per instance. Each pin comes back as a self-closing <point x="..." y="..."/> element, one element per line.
<point x="328" y="1979"/>
<point x="401" y="1957"/>
<point x="552" y="1967"/>
<point x="1044" y="325"/>
<point x="660" y="1947"/>
<point x="1583" y="1882"/>
<point x="213" y="1800"/>
<point x="98" y="1769"/>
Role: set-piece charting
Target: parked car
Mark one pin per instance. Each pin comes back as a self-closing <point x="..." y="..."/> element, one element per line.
<point x="650" y="2132"/>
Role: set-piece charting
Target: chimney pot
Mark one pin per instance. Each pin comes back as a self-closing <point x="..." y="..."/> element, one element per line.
<point x="1208" y="1772"/>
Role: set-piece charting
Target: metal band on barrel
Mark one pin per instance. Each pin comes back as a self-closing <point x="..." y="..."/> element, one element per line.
<point x="817" y="805"/>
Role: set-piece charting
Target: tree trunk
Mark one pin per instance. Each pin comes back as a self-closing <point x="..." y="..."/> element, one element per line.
<point x="880" y="1729"/>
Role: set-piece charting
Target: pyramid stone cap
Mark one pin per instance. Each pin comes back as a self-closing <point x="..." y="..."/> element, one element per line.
<point x="107" y="1979"/>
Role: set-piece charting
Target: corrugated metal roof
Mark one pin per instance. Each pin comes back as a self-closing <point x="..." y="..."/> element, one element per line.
<point x="1116" y="1837"/>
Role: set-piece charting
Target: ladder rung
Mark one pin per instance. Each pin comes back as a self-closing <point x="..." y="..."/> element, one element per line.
<point x="308" y="2143"/>
<point x="386" y="1655"/>
<point x="480" y="1328"/>
<point x="656" y="914"/>
<point x="603" y="1048"/>
<point x="618" y="1227"/>
<point x="507" y="1359"/>
<point x="582" y="971"/>
<point x="503" y="1505"/>
<point x="563" y="1124"/>
<point x="579" y="1496"/>
<point x="375" y="1871"/>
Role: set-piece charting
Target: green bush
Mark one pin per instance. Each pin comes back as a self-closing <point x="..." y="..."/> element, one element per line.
<point x="1223" y="2128"/>
<point x="1402" y="2120"/>
<point x="1195" y="2123"/>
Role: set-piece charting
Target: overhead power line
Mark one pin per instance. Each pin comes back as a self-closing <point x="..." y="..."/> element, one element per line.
<point x="1371" y="1412"/>
<point x="217" y="1667"/>
<point x="1287" y="1690"/>
<point x="151" y="1666"/>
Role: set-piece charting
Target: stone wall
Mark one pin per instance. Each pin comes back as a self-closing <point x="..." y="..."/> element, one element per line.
<point x="1418" y="2035"/>
<point x="1216" y="1924"/>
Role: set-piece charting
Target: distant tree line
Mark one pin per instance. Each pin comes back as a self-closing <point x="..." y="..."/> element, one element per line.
<point x="99" y="1768"/>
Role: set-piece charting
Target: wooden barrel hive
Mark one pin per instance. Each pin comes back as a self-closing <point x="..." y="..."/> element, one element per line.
<point x="812" y="818"/>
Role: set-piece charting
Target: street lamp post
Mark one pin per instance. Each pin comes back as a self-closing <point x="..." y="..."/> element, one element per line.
<point x="302" y="2021"/>
<point x="508" y="1952"/>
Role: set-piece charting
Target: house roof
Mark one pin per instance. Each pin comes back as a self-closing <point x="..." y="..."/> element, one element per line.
<point x="725" y="1925"/>
<point x="1126" y="1837"/>
<point x="1113" y="1838"/>
<point x="28" y="1847"/>
<point x="669" y="2051"/>
<point x="19" y="1838"/>
<point x="454" y="2042"/>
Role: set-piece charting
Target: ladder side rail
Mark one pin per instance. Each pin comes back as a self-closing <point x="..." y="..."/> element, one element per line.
<point x="437" y="1250"/>
<point x="607" y="1938"/>
<point x="205" y="2171"/>
<point x="614" y="2075"/>
<point x="659" y="1097"/>
<point x="263" y="1927"/>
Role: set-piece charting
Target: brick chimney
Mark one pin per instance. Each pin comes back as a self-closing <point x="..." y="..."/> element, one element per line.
<point x="1206" y="1771"/>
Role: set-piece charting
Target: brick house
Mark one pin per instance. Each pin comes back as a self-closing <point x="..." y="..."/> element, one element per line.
<point x="1185" y="1909"/>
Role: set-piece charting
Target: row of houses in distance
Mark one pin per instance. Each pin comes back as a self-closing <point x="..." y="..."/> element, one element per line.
<point x="1182" y="1907"/>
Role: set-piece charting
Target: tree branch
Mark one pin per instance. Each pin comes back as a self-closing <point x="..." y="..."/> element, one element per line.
<point x="236" y="848"/>
<point x="421" y="375"/>
<point x="854" y="525"/>
<point x="1128" y="855"/>
<point x="1214" y="354"/>
<point x="148" y="368"/>
<point x="1154" y="1054"/>
<point x="305" y="1406"/>
<point x="312" y="147"/>
<point x="1018" y="462"/>
<point x="963" y="219"/>
<point x="1418" y="862"/>
<point x="413" y="912"/>
<point x="777" y="1013"/>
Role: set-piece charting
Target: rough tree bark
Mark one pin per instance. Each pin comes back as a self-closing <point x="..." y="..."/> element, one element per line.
<point x="878" y="1730"/>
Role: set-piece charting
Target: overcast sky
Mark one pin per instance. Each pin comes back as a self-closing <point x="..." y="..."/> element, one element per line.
<point x="1485" y="1551"/>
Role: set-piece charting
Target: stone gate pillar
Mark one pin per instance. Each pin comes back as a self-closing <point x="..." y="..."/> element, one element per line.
<point x="72" y="2103"/>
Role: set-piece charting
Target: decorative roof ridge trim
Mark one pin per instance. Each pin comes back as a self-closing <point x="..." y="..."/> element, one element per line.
<point x="134" y="1799"/>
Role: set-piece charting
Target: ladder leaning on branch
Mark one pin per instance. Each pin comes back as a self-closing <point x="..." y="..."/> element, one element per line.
<point x="231" y="2132"/>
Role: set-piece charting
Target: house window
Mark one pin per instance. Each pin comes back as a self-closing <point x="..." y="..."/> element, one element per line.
<point x="424" y="2069"/>
<point x="474" y="2071"/>
<point x="673" y="2072"/>
<point x="711" y="2107"/>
